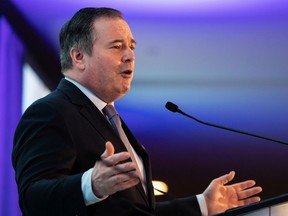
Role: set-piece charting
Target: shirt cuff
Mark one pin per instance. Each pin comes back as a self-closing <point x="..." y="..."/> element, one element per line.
<point x="86" y="186"/>
<point x="202" y="204"/>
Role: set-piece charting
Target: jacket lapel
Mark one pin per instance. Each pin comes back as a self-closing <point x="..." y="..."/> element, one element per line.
<point x="90" y="112"/>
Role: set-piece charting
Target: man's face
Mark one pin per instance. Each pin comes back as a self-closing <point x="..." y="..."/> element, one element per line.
<point x="109" y="70"/>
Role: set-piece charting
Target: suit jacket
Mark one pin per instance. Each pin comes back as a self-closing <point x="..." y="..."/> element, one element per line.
<point x="61" y="136"/>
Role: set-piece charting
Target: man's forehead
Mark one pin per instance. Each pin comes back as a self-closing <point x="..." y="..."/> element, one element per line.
<point x="113" y="29"/>
<point x="111" y="24"/>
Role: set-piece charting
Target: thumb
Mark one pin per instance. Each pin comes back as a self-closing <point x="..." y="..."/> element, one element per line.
<point x="226" y="178"/>
<point x="109" y="150"/>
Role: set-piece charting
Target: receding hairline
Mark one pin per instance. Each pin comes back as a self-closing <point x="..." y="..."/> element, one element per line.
<point x="97" y="19"/>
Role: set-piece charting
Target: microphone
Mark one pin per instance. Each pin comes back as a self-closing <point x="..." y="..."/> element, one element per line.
<point x="174" y="108"/>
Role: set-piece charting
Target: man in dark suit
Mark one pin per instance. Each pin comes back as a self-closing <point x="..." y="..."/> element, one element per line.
<point x="68" y="158"/>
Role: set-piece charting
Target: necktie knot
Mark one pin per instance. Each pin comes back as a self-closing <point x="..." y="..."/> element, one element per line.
<point x="110" y="111"/>
<point x="113" y="118"/>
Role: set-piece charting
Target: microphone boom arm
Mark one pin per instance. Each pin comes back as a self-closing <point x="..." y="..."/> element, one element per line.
<point x="174" y="108"/>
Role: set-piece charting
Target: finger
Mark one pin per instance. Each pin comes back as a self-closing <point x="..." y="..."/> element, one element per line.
<point x="225" y="178"/>
<point x="123" y="177"/>
<point x="114" y="184"/>
<point x="121" y="182"/>
<point x="115" y="159"/>
<point x="243" y="185"/>
<point x="249" y="201"/>
<point x="248" y="193"/>
<point x="127" y="184"/>
<point x="109" y="151"/>
<point x="123" y="168"/>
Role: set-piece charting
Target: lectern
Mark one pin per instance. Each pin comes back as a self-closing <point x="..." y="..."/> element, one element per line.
<point x="276" y="206"/>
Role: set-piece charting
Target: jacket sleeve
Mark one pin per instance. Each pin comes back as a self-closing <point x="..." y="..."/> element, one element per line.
<point x="188" y="206"/>
<point x="43" y="158"/>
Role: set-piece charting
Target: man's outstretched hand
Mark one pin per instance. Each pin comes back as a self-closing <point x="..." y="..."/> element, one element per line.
<point x="113" y="173"/>
<point x="220" y="197"/>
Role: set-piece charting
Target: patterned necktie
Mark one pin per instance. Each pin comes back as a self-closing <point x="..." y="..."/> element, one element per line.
<point x="115" y="121"/>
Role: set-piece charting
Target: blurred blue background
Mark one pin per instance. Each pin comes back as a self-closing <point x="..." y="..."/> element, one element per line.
<point x="224" y="62"/>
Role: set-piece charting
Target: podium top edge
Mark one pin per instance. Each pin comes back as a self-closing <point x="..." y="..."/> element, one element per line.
<point x="256" y="206"/>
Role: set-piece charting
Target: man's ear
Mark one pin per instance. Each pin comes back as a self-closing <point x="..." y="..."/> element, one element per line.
<point x="77" y="57"/>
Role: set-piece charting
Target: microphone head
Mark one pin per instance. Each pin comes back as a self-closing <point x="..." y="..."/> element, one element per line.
<point x="172" y="107"/>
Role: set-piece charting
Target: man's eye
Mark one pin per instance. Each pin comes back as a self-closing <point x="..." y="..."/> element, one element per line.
<point x="132" y="47"/>
<point x="116" y="46"/>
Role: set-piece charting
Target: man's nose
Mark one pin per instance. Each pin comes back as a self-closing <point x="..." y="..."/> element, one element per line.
<point x="129" y="55"/>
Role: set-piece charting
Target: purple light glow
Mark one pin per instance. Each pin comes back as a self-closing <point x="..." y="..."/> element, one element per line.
<point x="156" y="8"/>
<point x="11" y="53"/>
<point x="163" y="7"/>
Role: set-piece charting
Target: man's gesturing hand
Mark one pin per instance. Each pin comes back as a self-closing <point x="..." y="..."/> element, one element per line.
<point x="220" y="197"/>
<point x="112" y="173"/>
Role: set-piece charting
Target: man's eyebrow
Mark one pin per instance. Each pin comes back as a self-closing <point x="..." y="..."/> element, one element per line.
<point x="121" y="41"/>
